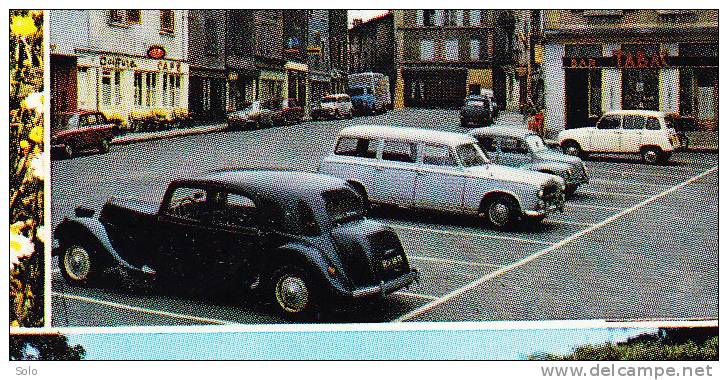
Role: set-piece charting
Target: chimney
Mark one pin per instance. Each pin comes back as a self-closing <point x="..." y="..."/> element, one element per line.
<point x="357" y="22"/>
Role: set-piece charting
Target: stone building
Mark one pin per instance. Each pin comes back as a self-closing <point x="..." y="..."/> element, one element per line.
<point x="371" y="47"/>
<point x="319" y="65"/>
<point x="442" y="56"/>
<point x="207" y="89"/>
<point x="338" y="49"/>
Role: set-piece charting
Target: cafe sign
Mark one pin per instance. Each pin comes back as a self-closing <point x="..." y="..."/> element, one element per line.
<point x="638" y="60"/>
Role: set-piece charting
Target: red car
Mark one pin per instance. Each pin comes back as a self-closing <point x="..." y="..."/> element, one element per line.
<point x="290" y="110"/>
<point x="81" y="130"/>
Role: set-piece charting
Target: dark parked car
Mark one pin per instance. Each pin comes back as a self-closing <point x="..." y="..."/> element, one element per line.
<point x="476" y="111"/>
<point x="75" y="131"/>
<point x="300" y="240"/>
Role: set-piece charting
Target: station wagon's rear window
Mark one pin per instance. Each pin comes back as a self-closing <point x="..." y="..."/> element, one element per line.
<point x="356" y="147"/>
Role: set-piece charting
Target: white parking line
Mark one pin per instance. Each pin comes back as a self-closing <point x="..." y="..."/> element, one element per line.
<point x="626" y="183"/>
<point x="451" y="261"/>
<point x="568" y="223"/>
<point x="416" y="295"/>
<point x="609" y="193"/>
<point x="143" y="310"/>
<point x="547" y="250"/>
<point x="595" y="207"/>
<point x="468" y="234"/>
<point x="627" y="174"/>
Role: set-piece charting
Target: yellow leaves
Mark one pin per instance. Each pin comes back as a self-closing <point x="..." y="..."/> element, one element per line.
<point x="36" y="134"/>
<point x="23" y="26"/>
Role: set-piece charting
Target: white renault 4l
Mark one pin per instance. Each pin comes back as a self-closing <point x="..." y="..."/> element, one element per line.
<point x="647" y="133"/>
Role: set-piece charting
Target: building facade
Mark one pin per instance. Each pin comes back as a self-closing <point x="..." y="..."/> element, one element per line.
<point x="372" y="47"/>
<point x="208" y="87"/>
<point x="119" y="61"/>
<point x="240" y="58"/>
<point x="295" y="37"/>
<point x="338" y="49"/>
<point x="599" y="60"/>
<point x="319" y="64"/>
<point x="442" y="55"/>
<point x="269" y="57"/>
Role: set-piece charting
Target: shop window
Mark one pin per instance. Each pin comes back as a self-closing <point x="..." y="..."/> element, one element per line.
<point x="125" y="17"/>
<point x="150" y="88"/>
<point x="451" y="50"/>
<point x="110" y="87"/>
<point x="640" y="87"/>
<point x="427" y="50"/>
<point x="138" y="88"/>
<point x="595" y="93"/>
<point x="453" y="17"/>
<point x="166" y="20"/>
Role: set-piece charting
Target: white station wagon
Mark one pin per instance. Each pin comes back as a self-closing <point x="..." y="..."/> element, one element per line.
<point x="647" y="133"/>
<point x="426" y="169"/>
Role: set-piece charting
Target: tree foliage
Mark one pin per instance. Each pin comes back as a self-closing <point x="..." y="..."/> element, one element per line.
<point x="44" y="347"/>
<point x="666" y="344"/>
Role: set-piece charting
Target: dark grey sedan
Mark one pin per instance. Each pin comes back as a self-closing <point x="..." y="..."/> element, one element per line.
<point x="516" y="146"/>
<point x="476" y="111"/>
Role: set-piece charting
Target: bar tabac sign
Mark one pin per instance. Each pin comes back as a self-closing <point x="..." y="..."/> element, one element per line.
<point x="639" y="59"/>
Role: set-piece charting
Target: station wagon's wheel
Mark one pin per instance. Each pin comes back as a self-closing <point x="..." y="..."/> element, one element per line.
<point x="79" y="265"/>
<point x="292" y="292"/>
<point x="573" y="148"/>
<point x="501" y="212"/>
<point x="104" y="146"/>
<point x="651" y="155"/>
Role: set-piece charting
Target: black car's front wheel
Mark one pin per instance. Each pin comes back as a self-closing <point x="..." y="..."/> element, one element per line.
<point x="293" y="293"/>
<point x="79" y="265"/>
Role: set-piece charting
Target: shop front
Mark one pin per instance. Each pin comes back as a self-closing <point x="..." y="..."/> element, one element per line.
<point x="319" y="85"/>
<point x="270" y="83"/>
<point x="207" y="94"/>
<point x="434" y="88"/>
<point x="121" y="84"/>
<point x="674" y="78"/>
<point x="297" y="82"/>
<point x="240" y="88"/>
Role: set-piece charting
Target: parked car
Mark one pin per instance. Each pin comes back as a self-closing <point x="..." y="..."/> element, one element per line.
<point x="435" y="170"/>
<point x="253" y="115"/>
<point x="519" y="147"/>
<point x="291" y="111"/>
<point x="81" y="130"/>
<point x="334" y="106"/>
<point x="369" y="93"/>
<point x="476" y="111"/>
<point x="647" y="133"/>
<point x="301" y="240"/>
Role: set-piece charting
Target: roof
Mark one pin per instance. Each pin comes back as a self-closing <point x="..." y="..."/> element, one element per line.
<point x="637" y="112"/>
<point x="406" y="133"/>
<point x="511" y="130"/>
<point x="275" y="184"/>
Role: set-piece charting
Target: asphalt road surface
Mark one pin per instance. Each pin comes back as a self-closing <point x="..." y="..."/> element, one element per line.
<point x="638" y="242"/>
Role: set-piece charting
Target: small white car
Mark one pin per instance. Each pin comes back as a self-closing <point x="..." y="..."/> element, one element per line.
<point x="334" y="106"/>
<point x="443" y="171"/>
<point x="647" y="133"/>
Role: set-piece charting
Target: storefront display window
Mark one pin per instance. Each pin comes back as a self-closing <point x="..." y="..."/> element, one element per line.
<point x="640" y="86"/>
<point x="111" y="87"/>
<point x="699" y="85"/>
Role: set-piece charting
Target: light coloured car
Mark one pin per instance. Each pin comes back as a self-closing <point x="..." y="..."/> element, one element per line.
<point x="647" y="133"/>
<point x="334" y="106"/>
<point x="443" y="171"/>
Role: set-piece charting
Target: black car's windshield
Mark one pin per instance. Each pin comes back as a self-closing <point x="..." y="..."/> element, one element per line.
<point x="536" y="143"/>
<point x="343" y="205"/>
<point x="471" y="155"/>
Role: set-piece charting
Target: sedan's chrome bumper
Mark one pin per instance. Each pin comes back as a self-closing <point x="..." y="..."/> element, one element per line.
<point x="384" y="288"/>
